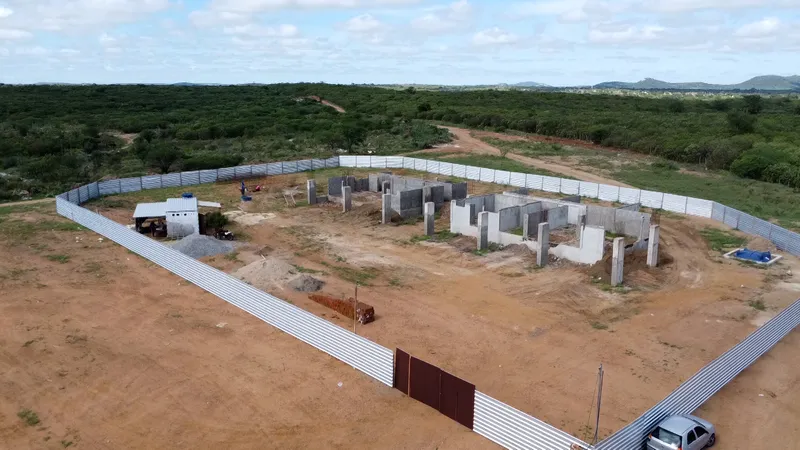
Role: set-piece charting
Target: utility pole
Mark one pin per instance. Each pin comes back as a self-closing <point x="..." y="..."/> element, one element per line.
<point x="599" y="400"/>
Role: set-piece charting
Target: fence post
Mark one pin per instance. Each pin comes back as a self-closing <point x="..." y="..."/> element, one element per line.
<point x="119" y="190"/>
<point x="180" y="177"/>
<point x="281" y="167"/>
<point x="141" y="184"/>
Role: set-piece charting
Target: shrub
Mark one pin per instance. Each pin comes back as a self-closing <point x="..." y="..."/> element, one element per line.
<point x="741" y="123"/>
<point x="211" y="161"/>
<point x="216" y="220"/>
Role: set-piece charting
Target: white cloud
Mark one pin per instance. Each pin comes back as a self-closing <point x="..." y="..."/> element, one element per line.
<point x="569" y="10"/>
<point x="32" y="51"/>
<point x="679" y="6"/>
<point x="5" y="12"/>
<point x="107" y="40"/>
<point x="762" y="28"/>
<point x="364" y="23"/>
<point x="79" y="15"/>
<point x="281" y="31"/>
<point x="257" y="6"/>
<point x="629" y="34"/>
<point x="494" y="36"/>
<point x="455" y="15"/>
<point x="12" y="34"/>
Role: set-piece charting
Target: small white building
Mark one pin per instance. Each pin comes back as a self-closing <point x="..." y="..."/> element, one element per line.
<point x="181" y="214"/>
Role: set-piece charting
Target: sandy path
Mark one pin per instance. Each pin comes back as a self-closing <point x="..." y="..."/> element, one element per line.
<point x="30" y="202"/>
<point x="465" y="141"/>
<point x="327" y="103"/>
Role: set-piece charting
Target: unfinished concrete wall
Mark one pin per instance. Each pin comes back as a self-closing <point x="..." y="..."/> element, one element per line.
<point x="634" y="207"/>
<point x="509" y="218"/>
<point x="335" y="186"/>
<point x="590" y="249"/>
<point x="455" y="191"/>
<point x="558" y="217"/>
<point x="629" y="222"/>
<point x="460" y="219"/>
<point x="572" y="199"/>
<point x="376" y="181"/>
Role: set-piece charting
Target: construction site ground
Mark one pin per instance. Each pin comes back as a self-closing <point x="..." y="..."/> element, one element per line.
<point x="159" y="363"/>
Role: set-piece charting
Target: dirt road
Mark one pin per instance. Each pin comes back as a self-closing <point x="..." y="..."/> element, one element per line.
<point x="464" y="141"/>
<point x="327" y="103"/>
<point x="29" y="202"/>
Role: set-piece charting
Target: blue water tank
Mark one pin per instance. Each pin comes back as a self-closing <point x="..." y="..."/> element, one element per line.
<point x="187" y="195"/>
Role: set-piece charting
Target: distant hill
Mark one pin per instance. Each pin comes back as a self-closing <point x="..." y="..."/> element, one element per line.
<point x="530" y="84"/>
<point x="762" y="83"/>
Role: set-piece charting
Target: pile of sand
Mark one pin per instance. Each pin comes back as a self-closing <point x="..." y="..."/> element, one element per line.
<point x="266" y="274"/>
<point x="306" y="283"/>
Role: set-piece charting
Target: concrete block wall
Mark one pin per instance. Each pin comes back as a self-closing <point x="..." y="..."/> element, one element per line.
<point x="509" y="218"/>
<point x="590" y="249"/>
<point x="628" y="221"/>
<point x="558" y="217"/>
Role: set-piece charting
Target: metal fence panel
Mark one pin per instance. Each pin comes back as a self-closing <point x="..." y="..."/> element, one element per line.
<point x="347" y="161"/>
<point x="446" y="168"/>
<point x="718" y="212"/>
<point x="190" y="178"/>
<point x="534" y="182"/>
<point x="130" y="184"/>
<point x="629" y="196"/>
<point x="608" y="193"/>
<point x="421" y="165"/>
<point x="708" y="381"/>
<point x="304" y="165"/>
<point x="83" y="193"/>
<point x="377" y="162"/>
<point x="333" y="161"/>
<point x="275" y="169"/>
<point x="591" y="190"/>
<point x="208" y="176"/>
<point x="409" y="163"/>
<point x="459" y="170"/>
<point x="746" y="223"/>
<point x="570" y="187"/>
<point x="551" y="184"/>
<point x="364" y="355"/>
<point x="363" y="161"/>
<point x="431" y="166"/>
<point x="517" y="180"/>
<point x="73" y="196"/>
<point x="170" y="180"/>
<point x="502" y="177"/>
<point x="151" y="182"/>
<point x="108" y="187"/>
<point x="513" y="429"/>
<point x="731" y="217"/>
<point x="473" y="173"/>
<point x="226" y="174"/>
<point x="242" y="172"/>
<point x="94" y="192"/>
<point x="699" y="207"/>
<point x="290" y="167"/>
<point x="487" y="175"/>
<point x="652" y="199"/>
<point x="762" y="228"/>
<point x="259" y="170"/>
<point x="675" y="203"/>
<point x="394" y="162"/>
<point x="317" y="164"/>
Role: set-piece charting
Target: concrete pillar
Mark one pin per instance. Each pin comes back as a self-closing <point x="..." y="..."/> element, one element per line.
<point x="311" y="195"/>
<point x="347" y="201"/>
<point x="579" y="226"/>
<point x="427" y="195"/>
<point x="483" y="231"/>
<point x="528" y="225"/>
<point x="428" y="212"/>
<point x="386" y="209"/>
<point x="543" y="244"/>
<point x="386" y="188"/>
<point x="652" y="246"/>
<point x="617" y="261"/>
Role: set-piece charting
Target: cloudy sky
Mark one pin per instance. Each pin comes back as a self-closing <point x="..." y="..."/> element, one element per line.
<point x="558" y="42"/>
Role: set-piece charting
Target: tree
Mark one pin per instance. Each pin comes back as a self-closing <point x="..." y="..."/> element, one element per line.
<point x="741" y="123"/>
<point x="753" y="104"/>
<point x="163" y="156"/>
<point x="216" y="220"/>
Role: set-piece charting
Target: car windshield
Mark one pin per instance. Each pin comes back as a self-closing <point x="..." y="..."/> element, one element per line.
<point x="667" y="437"/>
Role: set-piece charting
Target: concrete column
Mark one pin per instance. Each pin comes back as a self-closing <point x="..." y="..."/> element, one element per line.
<point x="386" y="188"/>
<point x="528" y="220"/>
<point x="386" y="209"/>
<point x="579" y="226"/>
<point x="483" y="231"/>
<point x="543" y="245"/>
<point x="427" y="195"/>
<point x="652" y="246"/>
<point x="347" y="201"/>
<point x="428" y="212"/>
<point x="311" y="195"/>
<point x="617" y="261"/>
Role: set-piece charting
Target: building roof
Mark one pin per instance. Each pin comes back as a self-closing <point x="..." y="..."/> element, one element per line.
<point x="150" y="210"/>
<point x="181" y="204"/>
<point x="209" y="204"/>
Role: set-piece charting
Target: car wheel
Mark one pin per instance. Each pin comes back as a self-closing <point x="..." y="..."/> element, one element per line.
<point x="711" y="441"/>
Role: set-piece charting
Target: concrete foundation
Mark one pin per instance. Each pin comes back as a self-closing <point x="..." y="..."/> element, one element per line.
<point x="528" y="225"/>
<point x="311" y="195"/>
<point x="543" y="245"/>
<point x="617" y="261"/>
<point x="483" y="231"/>
<point x="590" y="249"/>
<point x="347" y="200"/>
<point x="430" y="210"/>
<point x="386" y="208"/>
<point x="652" y="246"/>
<point x="386" y="189"/>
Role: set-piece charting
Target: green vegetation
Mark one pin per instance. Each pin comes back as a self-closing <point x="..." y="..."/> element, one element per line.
<point x="493" y="247"/>
<point x="63" y="259"/>
<point x="302" y="269"/>
<point x="29" y="417"/>
<point x="232" y="256"/>
<point x="599" y="326"/>
<point x="216" y="220"/>
<point x="441" y="236"/>
<point x="758" y="305"/>
<point x="721" y="240"/>
<point x="360" y="276"/>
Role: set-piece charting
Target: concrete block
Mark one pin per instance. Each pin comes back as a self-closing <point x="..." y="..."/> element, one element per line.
<point x="579" y="226"/>
<point x="430" y="210"/>
<point x="617" y="261"/>
<point x="543" y="244"/>
<point x="528" y="224"/>
<point x="373" y="182"/>
<point x="335" y="186"/>
<point x="652" y="246"/>
<point x="386" y="209"/>
<point x="386" y="189"/>
<point x="347" y="201"/>
<point x="483" y="231"/>
<point x="311" y="194"/>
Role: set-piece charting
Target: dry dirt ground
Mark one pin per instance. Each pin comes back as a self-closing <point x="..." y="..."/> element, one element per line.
<point x="530" y="337"/>
<point x="111" y="351"/>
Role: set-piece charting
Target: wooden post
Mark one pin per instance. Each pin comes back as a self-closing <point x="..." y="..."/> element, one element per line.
<point x="355" y="309"/>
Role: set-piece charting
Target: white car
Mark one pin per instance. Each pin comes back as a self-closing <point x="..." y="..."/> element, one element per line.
<point x="682" y="433"/>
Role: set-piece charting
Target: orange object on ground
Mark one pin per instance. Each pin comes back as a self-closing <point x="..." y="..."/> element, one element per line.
<point x="364" y="312"/>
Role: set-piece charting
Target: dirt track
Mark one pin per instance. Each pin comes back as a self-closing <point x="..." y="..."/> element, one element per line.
<point x="466" y="142"/>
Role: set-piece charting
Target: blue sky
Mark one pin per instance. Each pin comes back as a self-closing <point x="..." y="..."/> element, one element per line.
<point x="566" y="42"/>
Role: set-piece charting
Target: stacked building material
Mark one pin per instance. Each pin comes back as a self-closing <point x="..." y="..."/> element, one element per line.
<point x="364" y="312"/>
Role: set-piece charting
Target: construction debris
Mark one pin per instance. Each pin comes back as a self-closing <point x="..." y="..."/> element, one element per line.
<point x="364" y="313"/>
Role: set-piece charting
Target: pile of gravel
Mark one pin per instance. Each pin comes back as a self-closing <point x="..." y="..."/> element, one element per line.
<point x="306" y="283"/>
<point x="198" y="246"/>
